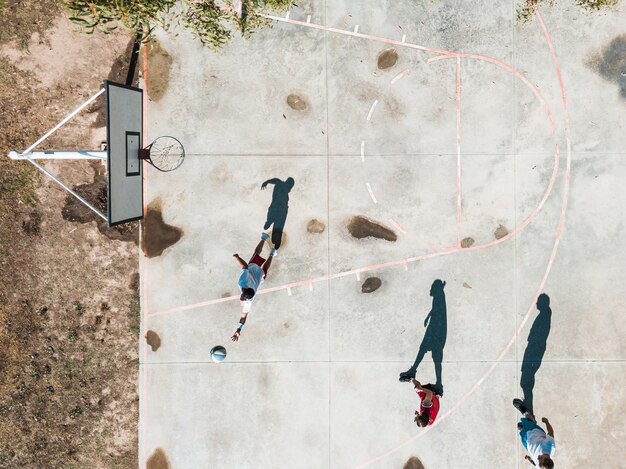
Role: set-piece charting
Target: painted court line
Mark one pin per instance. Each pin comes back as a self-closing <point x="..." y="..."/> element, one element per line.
<point x="445" y="251"/>
<point x="369" y="114"/>
<point x="362" y="151"/>
<point x="397" y="226"/>
<point x="458" y="150"/>
<point x="371" y="37"/>
<point x="404" y="262"/>
<point x="369" y="189"/>
<point x="400" y="75"/>
<point x="555" y="246"/>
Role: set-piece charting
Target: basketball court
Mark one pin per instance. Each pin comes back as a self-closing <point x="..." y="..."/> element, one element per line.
<point x="492" y="156"/>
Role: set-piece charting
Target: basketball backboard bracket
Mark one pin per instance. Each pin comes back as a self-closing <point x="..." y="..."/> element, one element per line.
<point x="124" y="127"/>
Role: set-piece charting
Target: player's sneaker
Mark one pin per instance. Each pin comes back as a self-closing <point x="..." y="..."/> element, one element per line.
<point x="406" y="376"/>
<point x="273" y="252"/>
<point x="519" y="405"/>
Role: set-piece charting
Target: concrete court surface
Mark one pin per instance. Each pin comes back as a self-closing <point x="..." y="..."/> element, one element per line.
<point x="470" y="134"/>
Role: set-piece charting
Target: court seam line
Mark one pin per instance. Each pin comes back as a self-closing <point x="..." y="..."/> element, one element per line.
<point x="381" y="362"/>
<point x="458" y="150"/>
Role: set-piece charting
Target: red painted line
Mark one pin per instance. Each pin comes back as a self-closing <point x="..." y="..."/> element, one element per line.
<point x="401" y="262"/>
<point x="444" y="252"/>
<point x="143" y="299"/>
<point x="355" y="34"/>
<point x="509" y="69"/>
<point x="458" y="150"/>
<point x="540" y="289"/>
<point x="553" y="54"/>
<point x="397" y="226"/>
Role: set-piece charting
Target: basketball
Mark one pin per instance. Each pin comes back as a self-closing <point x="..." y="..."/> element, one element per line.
<point x="218" y="353"/>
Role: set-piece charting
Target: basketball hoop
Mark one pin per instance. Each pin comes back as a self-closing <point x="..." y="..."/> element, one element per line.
<point x="165" y="153"/>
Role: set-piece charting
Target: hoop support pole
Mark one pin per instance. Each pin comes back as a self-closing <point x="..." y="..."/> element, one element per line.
<point x="67" y="118"/>
<point x="61" y="155"/>
<point x="60" y="183"/>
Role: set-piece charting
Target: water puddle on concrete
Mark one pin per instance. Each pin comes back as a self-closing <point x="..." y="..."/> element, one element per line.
<point x="501" y="232"/>
<point x="371" y="284"/>
<point x="296" y="103"/>
<point x="158" y="235"/>
<point x="611" y="63"/>
<point x="387" y="59"/>
<point x="159" y="65"/>
<point x="158" y="460"/>
<point x="413" y="463"/>
<point x="153" y="340"/>
<point x="315" y="226"/>
<point x="467" y="242"/>
<point x="361" y="227"/>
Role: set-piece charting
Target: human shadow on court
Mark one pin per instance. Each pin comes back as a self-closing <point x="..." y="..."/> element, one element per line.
<point x="535" y="349"/>
<point x="436" y="324"/>
<point x="277" y="212"/>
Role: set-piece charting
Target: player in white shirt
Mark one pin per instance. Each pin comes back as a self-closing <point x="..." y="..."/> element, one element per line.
<point x="251" y="277"/>
<point x="540" y="446"/>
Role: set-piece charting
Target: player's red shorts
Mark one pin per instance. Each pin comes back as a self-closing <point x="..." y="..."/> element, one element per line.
<point x="258" y="260"/>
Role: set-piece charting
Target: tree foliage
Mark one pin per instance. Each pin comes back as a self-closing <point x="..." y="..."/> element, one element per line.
<point x="211" y="22"/>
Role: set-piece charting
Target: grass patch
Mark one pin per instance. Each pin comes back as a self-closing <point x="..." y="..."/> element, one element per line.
<point x="134" y="315"/>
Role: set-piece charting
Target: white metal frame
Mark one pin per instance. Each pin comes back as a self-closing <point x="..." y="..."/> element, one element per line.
<point x="30" y="155"/>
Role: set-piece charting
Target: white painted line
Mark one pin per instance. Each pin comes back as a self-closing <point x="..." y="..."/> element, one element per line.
<point x="403" y="37"/>
<point x="369" y="189"/>
<point x="311" y="286"/>
<point x="308" y="18"/>
<point x="289" y="291"/>
<point x="356" y="29"/>
<point x="287" y="15"/>
<point x="403" y="73"/>
<point x="362" y="151"/>
<point x="397" y="226"/>
<point x="358" y="276"/>
<point x="369" y="115"/>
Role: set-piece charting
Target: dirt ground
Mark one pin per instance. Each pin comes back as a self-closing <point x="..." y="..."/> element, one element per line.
<point x="69" y="304"/>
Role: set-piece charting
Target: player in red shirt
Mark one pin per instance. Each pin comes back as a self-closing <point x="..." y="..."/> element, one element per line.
<point x="429" y="404"/>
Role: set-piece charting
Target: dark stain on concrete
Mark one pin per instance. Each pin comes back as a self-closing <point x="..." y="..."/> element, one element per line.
<point x="387" y="59"/>
<point x="371" y="284"/>
<point x="159" y="65"/>
<point x="96" y="194"/>
<point x="153" y="340"/>
<point x="501" y="232"/>
<point x="158" y="235"/>
<point x="467" y="242"/>
<point x="296" y="103"/>
<point x="611" y="63"/>
<point x="413" y="463"/>
<point x="361" y="227"/>
<point x="158" y="460"/>
<point x="315" y="226"/>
